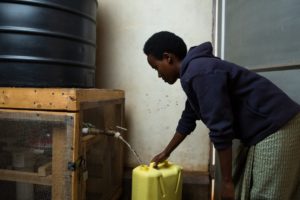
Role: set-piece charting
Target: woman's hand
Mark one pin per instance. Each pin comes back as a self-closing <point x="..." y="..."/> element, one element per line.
<point x="227" y="190"/>
<point x="160" y="158"/>
<point x="227" y="187"/>
<point x="175" y="141"/>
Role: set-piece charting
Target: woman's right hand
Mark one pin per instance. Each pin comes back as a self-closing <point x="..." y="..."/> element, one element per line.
<point x="160" y="158"/>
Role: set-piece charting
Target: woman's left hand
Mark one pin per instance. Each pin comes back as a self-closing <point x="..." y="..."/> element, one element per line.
<point x="227" y="192"/>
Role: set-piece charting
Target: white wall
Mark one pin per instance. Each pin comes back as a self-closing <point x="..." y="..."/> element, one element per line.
<point x="152" y="106"/>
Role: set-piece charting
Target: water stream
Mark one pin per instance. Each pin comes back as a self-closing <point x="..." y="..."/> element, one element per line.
<point x="132" y="150"/>
<point x="115" y="134"/>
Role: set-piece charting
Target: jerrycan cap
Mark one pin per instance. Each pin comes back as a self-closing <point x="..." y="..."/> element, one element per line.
<point x="144" y="167"/>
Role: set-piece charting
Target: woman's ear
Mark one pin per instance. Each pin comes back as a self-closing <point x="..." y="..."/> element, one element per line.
<point x="168" y="56"/>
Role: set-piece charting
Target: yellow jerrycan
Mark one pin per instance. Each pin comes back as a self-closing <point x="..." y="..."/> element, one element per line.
<point x="161" y="183"/>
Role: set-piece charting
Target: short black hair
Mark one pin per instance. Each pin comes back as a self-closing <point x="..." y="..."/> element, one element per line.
<point x="165" y="41"/>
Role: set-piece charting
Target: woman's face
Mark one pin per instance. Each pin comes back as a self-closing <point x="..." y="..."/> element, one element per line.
<point x="165" y="68"/>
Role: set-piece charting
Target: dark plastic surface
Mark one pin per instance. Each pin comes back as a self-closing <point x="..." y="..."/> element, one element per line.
<point x="47" y="43"/>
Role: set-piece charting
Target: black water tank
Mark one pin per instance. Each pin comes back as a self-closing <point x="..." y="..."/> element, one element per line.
<point x="47" y="43"/>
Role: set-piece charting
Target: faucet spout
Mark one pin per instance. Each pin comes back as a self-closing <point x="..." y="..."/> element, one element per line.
<point x="96" y="131"/>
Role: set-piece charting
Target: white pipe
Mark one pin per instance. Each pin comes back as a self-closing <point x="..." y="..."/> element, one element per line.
<point x="219" y="45"/>
<point x="223" y="29"/>
<point x="216" y="36"/>
<point x="222" y="47"/>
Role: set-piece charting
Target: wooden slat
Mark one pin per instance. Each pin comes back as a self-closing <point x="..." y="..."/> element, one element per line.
<point x="76" y="153"/>
<point x="89" y="140"/>
<point x="36" y="98"/>
<point x="25" y="177"/>
<point x="90" y="95"/>
<point x="59" y="166"/>
<point x="68" y="99"/>
<point x="34" y="115"/>
<point x="45" y="170"/>
<point x="117" y="194"/>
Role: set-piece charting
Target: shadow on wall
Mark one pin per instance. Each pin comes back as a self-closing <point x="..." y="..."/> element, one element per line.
<point x="103" y="29"/>
<point x="103" y="62"/>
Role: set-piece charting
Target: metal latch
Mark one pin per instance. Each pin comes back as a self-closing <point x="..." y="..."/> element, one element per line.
<point x="72" y="166"/>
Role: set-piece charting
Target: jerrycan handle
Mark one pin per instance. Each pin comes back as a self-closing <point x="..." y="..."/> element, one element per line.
<point x="178" y="182"/>
<point x="160" y="165"/>
<point x="161" y="183"/>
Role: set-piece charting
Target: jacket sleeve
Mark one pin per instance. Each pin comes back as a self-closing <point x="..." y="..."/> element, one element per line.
<point x="212" y="91"/>
<point x="187" y="122"/>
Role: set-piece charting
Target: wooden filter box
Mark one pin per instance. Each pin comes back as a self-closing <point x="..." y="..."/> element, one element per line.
<point x="44" y="154"/>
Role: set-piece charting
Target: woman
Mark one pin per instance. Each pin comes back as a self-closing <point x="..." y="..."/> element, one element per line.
<point x="234" y="103"/>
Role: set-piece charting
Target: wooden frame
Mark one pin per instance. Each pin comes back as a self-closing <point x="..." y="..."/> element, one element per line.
<point x="59" y="105"/>
<point x="62" y="99"/>
<point x="25" y="177"/>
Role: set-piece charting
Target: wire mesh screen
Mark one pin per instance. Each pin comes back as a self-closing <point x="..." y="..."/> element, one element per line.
<point x="26" y="154"/>
<point x="25" y="144"/>
<point x="104" y="153"/>
<point x="16" y="190"/>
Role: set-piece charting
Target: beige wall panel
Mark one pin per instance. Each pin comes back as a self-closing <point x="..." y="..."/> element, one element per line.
<point x="152" y="107"/>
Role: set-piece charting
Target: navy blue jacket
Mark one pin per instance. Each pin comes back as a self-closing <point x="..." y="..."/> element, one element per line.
<point x="232" y="101"/>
